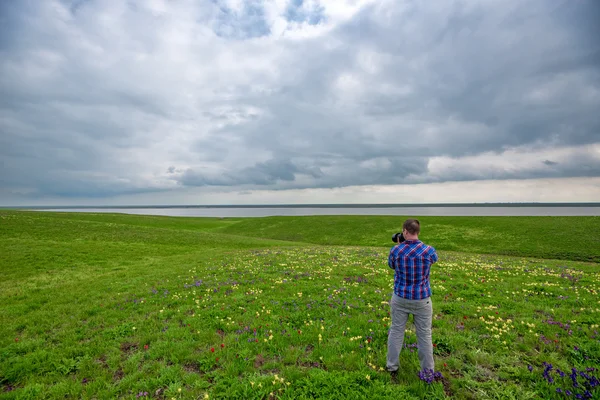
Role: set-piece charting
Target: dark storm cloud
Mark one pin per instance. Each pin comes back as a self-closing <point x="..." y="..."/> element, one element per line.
<point x="265" y="173"/>
<point x="98" y="99"/>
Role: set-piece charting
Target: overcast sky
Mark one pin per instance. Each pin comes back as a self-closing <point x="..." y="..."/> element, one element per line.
<point x="107" y="102"/>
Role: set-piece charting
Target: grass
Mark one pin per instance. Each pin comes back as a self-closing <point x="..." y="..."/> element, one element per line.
<point x="119" y="306"/>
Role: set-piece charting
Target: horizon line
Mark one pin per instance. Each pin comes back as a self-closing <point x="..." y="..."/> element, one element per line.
<point x="316" y="205"/>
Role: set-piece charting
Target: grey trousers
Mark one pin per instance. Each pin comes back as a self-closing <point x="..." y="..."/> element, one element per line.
<point x="422" y="312"/>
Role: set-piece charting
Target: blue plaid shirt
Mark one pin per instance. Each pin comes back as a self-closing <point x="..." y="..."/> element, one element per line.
<point x="412" y="261"/>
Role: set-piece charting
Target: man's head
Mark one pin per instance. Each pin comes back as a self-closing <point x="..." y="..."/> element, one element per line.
<point x="411" y="229"/>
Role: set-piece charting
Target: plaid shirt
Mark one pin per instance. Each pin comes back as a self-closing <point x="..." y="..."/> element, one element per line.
<point x="412" y="261"/>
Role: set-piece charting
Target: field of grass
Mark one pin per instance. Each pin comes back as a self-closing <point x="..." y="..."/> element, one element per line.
<point x="122" y="306"/>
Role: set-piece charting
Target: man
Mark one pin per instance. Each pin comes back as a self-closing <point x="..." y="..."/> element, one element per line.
<point x="412" y="260"/>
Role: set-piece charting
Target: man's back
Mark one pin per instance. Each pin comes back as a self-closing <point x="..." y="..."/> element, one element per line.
<point x="412" y="260"/>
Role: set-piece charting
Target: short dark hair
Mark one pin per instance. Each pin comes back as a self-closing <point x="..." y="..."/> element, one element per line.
<point x="412" y="226"/>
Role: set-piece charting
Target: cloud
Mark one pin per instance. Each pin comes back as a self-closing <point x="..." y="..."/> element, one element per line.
<point x="103" y="99"/>
<point x="264" y="173"/>
<point x="520" y="163"/>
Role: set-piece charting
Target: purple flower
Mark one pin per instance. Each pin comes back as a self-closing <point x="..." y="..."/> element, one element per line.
<point x="530" y="368"/>
<point x="428" y="375"/>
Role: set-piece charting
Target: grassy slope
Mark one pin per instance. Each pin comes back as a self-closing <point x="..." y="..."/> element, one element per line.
<point x="45" y="242"/>
<point x="567" y="238"/>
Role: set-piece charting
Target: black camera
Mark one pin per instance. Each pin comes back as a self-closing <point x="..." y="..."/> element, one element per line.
<point x="398" y="237"/>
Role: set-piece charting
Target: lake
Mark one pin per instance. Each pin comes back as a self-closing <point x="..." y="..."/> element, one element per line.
<point x="265" y="211"/>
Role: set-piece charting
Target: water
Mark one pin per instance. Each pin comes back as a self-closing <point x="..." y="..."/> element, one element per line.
<point x="266" y="211"/>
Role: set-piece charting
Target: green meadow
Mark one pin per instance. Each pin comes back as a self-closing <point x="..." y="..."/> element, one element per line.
<point x="103" y="306"/>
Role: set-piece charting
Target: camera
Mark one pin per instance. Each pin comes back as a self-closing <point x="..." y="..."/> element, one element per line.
<point x="398" y="237"/>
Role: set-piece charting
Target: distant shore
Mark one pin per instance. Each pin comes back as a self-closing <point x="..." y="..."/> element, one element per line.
<point x="383" y="205"/>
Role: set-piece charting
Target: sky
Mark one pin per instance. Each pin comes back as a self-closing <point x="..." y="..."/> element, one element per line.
<point x="122" y="102"/>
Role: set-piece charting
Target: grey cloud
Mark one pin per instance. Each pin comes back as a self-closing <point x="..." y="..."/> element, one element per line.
<point x="579" y="164"/>
<point x="474" y="72"/>
<point x="473" y="79"/>
<point x="457" y="79"/>
<point x="285" y="174"/>
<point x="263" y="173"/>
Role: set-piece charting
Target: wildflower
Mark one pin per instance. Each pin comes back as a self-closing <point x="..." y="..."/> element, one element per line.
<point x="368" y="377"/>
<point x="212" y="349"/>
<point x="146" y="347"/>
<point x="179" y="390"/>
<point x="222" y="345"/>
<point x="428" y="375"/>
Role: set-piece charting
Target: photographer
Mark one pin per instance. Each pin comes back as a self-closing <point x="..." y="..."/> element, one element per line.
<point x="411" y="260"/>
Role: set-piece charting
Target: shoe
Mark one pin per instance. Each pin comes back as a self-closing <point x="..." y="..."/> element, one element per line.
<point x="394" y="376"/>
